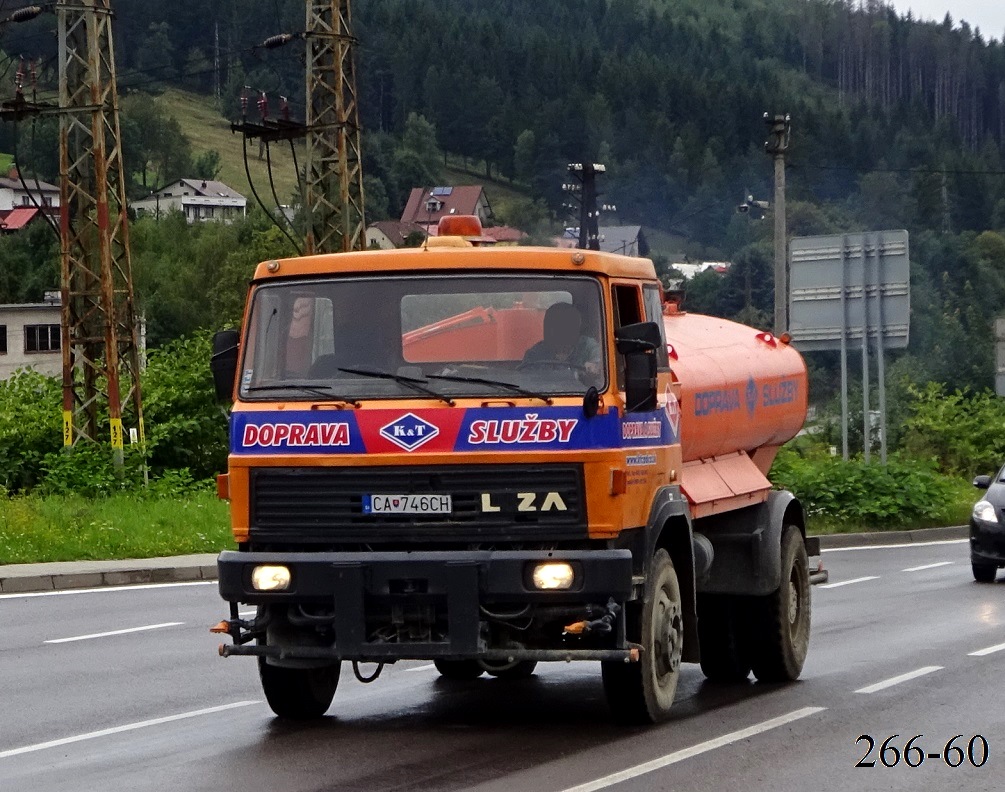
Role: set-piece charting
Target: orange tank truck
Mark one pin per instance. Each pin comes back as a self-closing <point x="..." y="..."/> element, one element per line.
<point x="742" y="395"/>
<point x="490" y="458"/>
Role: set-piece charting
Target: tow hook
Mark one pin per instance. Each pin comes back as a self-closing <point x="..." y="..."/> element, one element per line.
<point x="602" y="626"/>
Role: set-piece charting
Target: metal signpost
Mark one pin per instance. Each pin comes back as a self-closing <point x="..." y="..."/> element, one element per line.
<point x="847" y="289"/>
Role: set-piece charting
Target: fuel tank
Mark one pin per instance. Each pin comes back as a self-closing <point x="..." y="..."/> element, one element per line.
<point x="741" y="389"/>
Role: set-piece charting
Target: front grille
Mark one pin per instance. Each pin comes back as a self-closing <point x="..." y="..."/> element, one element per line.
<point x="325" y="505"/>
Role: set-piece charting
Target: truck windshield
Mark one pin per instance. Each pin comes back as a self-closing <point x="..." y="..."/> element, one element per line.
<point x="499" y="336"/>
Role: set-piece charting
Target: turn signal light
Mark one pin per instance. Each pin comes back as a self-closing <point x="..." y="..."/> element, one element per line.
<point x="270" y="578"/>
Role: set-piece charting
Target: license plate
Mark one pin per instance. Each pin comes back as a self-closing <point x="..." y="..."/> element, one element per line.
<point x="406" y="504"/>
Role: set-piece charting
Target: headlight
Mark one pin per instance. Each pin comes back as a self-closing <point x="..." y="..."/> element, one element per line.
<point x="553" y="575"/>
<point x="985" y="511"/>
<point x="270" y="578"/>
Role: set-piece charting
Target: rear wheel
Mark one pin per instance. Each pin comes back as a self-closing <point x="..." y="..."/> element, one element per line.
<point x="522" y="669"/>
<point x="643" y="692"/>
<point x="723" y="651"/>
<point x="299" y="693"/>
<point x="984" y="573"/>
<point x="780" y="622"/>
<point x="459" y="669"/>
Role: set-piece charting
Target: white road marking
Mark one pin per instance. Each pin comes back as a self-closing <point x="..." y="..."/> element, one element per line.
<point x="119" y="729"/>
<point x="987" y="651"/>
<point x="927" y="566"/>
<point x="848" y="582"/>
<point x="893" y="546"/>
<point x="898" y="679"/>
<point x="694" y="750"/>
<point x="422" y="667"/>
<point x="113" y="632"/>
<point x="102" y="589"/>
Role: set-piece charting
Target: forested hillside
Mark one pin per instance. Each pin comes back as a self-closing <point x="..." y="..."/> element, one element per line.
<point x="896" y="123"/>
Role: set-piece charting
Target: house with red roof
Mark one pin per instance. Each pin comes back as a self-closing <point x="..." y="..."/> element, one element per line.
<point x="15" y="219"/>
<point x="390" y="234"/>
<point x="426" y="205"/>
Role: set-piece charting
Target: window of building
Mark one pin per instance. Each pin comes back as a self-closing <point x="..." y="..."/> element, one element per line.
<point x="25" y="200"/>
<point x="3" y="339"/>
<point x="41" y="338"/>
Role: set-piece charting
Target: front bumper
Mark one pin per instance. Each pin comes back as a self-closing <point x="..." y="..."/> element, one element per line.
<point x="356" y="584"/>
<point x="987" y="542"/>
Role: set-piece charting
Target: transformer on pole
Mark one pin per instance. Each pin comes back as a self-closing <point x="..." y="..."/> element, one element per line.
<point x="334" y="173"/>
<point x="101" y="360"/>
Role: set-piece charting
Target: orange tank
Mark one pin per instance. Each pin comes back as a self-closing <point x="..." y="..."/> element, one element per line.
<point x="741" y="390"/>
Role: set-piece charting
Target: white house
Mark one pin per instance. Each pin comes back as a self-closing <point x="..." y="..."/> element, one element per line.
<point x="39" y="193"/>
<point x="197" y="199"/>
<point x="30" y="338"/>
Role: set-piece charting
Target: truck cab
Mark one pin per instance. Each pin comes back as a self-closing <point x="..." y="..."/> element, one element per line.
<point x="473" y="456"/>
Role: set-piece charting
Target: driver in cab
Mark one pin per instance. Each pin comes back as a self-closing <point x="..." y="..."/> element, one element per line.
<point x="563" y="343"/>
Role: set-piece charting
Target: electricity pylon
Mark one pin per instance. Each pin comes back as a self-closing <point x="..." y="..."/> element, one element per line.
<point x="101" y="360"/>
<point x="334" y="172"/>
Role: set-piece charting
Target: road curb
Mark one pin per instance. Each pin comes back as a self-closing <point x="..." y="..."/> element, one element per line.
<point x="881" y="538"/>
<point x="59" y="576"/>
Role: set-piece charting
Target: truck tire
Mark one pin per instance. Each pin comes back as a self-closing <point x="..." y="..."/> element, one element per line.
<point x="724" y="656"/>
<point x="299" y="693"/>
<point x="984" y="573"/>
<point x="459" y="670"/>
<point x="522" y="669"/>
<point x="643" y="692"/>
<point x="780" y="622"/>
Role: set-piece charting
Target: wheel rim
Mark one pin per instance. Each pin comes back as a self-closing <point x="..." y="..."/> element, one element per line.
<point x="796" y="600"/>
<point x="668" y="635"/>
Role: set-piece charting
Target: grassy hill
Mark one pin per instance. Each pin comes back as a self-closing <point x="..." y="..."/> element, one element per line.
<point x="207" y="129"/>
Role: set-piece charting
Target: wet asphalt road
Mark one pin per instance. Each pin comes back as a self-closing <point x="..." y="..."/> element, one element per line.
<point x="156" y="709"/>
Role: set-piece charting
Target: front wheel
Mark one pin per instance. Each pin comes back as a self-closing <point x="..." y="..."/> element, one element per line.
<point x="459" y="670"/>
<point x="780" y="622"/>
<point x="643" y="692"/>
<point x="521" y="669"/>
<point x="984" y="573"/>
<point x="299" y="693"/>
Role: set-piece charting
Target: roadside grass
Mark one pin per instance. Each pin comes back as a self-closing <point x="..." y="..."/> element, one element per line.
<point x="36" y="529"/>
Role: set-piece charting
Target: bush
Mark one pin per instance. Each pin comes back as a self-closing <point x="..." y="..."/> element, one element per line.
<point x="30" y="427"/>
<point x="964" y="432"/>
<point x="186" y="428"/>
<point x="905" y="493"/>
<point x="186" y="431"/>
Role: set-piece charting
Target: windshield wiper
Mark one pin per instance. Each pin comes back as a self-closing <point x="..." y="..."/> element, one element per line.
<point x="324" y="391"/>
<point x="499" y="383"/>
<point x="410" y="382"/>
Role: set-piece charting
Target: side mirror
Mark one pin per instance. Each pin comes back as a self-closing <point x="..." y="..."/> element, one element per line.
<point x="982" y="482"/>
<point x="223" y="363"/>
<point x="638" y="343"/>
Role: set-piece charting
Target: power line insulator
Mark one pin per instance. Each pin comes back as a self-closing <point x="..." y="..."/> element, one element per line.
<point x="279" y="40"/>
<point x="26" y="14"/>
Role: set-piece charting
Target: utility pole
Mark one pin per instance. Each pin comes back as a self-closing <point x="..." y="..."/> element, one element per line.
<point x="99" y="341"/>
<point x="216" y="61"/>
<point x="334" y="172"/>
<point x="585" y="186"/>
<point x="777" y="145"/>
